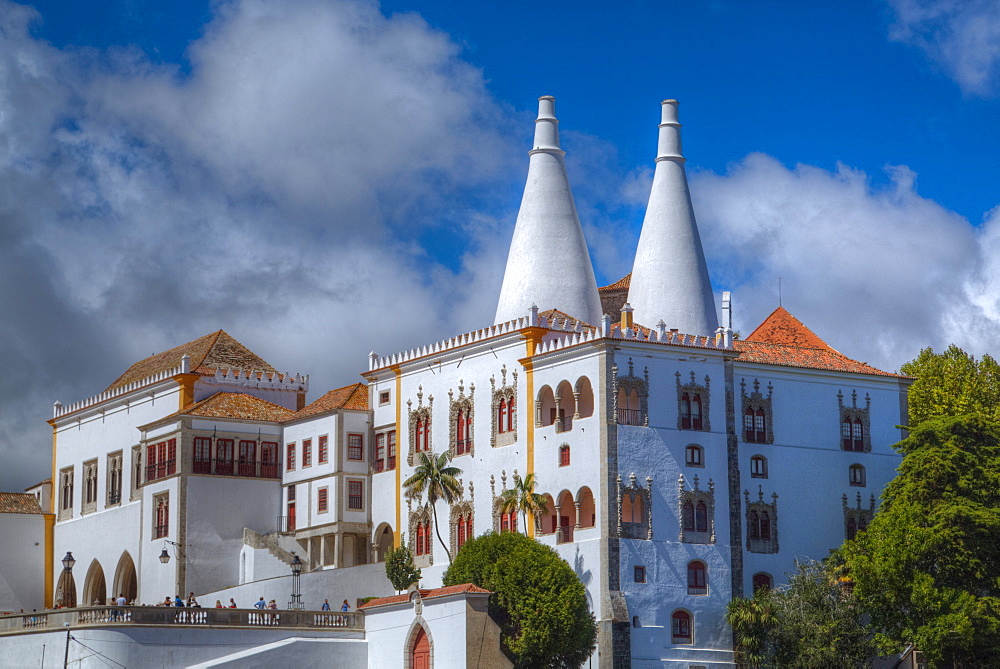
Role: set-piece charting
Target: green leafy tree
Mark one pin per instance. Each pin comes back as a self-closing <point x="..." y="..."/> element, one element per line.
<point x="439" y="480"/>
<point x="538" y="600"/>
<point x="952" y="383"/>
<point x="399" y="567"/>
<point x="523" y="498"/>
<point x="926" y="570"/>
<point x="752" y="619"/>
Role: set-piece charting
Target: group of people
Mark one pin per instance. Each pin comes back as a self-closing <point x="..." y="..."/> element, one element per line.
<point x="192" y="602"/>
<point x="261" y="604"/>
<point x="343" y="607"/>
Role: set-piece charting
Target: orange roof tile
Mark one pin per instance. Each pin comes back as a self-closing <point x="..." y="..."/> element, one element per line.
<point x="427" y="594"/>
<point x="782" y="339"/>
<point x="621" y="284"/>
<point x="215" y="350"/>
<point x="353" y="397"/>
<point x="551" y="314"/>
<point x="19" y="502"/>
<point x="783" y="328"/>
<point x="239" y="406"/>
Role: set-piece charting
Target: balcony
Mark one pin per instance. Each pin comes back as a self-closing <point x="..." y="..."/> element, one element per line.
<point x="246" y="469"/>
<point x="286" y="524"/>
<point x="630" y="417"/>
<point x="93" y="616"/>
<point x="564" y="423"/>
<point x="564" y="535"/>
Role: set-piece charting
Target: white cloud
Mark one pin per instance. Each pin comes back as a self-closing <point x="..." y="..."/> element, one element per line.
<point x="961" y="36"/>
<point x="281" y="190"/>
<point x="879" y="273"/>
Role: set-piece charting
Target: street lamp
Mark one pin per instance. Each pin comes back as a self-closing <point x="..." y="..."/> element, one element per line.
<point x="296" y="603"/>
<point x="68" y="588"/>
<point x="165" y="555"/>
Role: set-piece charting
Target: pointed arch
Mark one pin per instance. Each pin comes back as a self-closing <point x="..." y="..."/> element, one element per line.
<point x="95" y="590"/>
<point x="418" y="649"/>
<point x="126" y="581"/>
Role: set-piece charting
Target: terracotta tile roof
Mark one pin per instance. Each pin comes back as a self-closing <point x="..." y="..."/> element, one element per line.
<point x="621" y="284"/>
<point x="349" y="397"/>
<point x="427" y="594"/>
<point x="783" y="340"/>
<point x="551" y="314"/>
<point x="215" y="350"/>
<point x="19" y="502"/>
<point x="783" y="328"/>
<point x="231" y="405"/>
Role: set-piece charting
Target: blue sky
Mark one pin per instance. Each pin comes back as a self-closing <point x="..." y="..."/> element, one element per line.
<point x="276" y="169"/>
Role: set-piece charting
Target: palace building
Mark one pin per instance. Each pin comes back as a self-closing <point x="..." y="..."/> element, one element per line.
<point x="682" y="466"/>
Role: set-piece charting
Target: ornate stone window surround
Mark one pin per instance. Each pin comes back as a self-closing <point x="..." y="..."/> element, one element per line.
<point x="693" y="497"/>
<point x="462" y="403"/>
<point x="421" y="413"/>
<point x="465" y="510"/>
<point x="499" y="434"/>
<point x="757" y="405"/>
<point x="630" y="384"/>
<point x="635" y="494"/>
<point x="860" y="517"/>
<point x="759" y="544"/>
<point x="421" y="515"/>
<point x="89" y="487"/>
<point x="689" y="395"/>
<point x="855" y="416"/>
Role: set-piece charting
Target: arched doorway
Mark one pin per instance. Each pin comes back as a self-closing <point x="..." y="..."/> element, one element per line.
<point x="420" y="651"/>
<point x="95" y="592"/>
<point x="126" y="582"/>
<point x="383" y="542"/>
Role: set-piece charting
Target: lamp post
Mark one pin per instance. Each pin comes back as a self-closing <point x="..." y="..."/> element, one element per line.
<point x="69" y="592"/>
<point x="296" y="603"/>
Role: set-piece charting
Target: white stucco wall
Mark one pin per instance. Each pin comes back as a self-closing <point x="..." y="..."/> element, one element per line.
<point x="22" y="561"/>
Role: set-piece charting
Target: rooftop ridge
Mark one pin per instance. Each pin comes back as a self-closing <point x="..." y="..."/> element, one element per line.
<point x="58" y="409"/>
<point x="576" y="332"/>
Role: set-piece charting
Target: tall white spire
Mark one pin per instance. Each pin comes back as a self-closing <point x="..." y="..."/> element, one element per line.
<point x="548" y="264"/>
<point x="670" y="278"/>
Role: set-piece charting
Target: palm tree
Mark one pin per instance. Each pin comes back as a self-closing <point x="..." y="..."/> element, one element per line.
<point x="522" y="497"/>
<point x="440" y="480"/>
<point x="751" y="620"/>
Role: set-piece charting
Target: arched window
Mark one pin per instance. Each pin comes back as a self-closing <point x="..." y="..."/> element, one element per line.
<point x="697" y="585"/>
<point x="421" y="548"/>
<point x="688" y="517"/>
<point x="564" y="455"/>
<point x="421" y="435"/>
<point x="765" y="525"/>
<point x="502" y="424"/>
<point x="852" y="528"/>
<point x="468" y="527"/>
<point x="461" y="531"/>
<point x="857" y="475"/>
<point x="758" y="467"/>
<point x="853" y="432"/>
<point x="508" y="521"/>
<point x="463" y="433"/>
<point x="700" y="517"/>
<point x="511" y="413"/>
<point x="762" y="581"/>
<point x="754" y="525"/>
<point x="748" y="423"/>
<point x="685" y="411"/>
<point x="862" y="524"/>
<point x="632" y="509"/>
<point x="680" y="627"/>
<point x="636" y="622"/>
<point x="693" y="456"/>
<point x="696" y="412"/>
<point x="760" y="426"/>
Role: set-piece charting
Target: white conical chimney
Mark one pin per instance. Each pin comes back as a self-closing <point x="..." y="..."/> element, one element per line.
<point x="670" y="278"/>
<point x="548" y="264"/>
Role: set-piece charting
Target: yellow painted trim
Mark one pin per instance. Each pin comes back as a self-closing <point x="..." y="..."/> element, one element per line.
<point x="399" y="460"/>
<point x="532" y="338"/>
<point x="50" y="525"/>
<point x="53" y="486"/>
<point x="186" y="396"/>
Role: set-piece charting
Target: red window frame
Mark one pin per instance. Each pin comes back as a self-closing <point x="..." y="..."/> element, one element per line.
<point x="685" y="411"/>
<point x="355" y="446"/>
<point x="390" y="462"/>
<point x="697" y="584"/>
<point x="161" y="459"/>
<point x="202" y="455"/>
<point x="322" y="500"/>
<point x="564" y="455"/>
<point x="511" y="412"/>
<point x="307" y="452"/>
<point x="290" y="457"/>
<point x="269" y="459"/>
<point x="701" y="517"/>
<point x="324" y="449"/>
<point x="247" y="463"/>
<point x="162" y="526"/>
<point x="761" y="581"/>
<point x="502" y="416"/>
<point x="687" y="514"/>
<point x="355" y="495"/>
<point x="461" y="531"/>
<point x="380" y="451"/>
<point x="758" y="467"/>
<point x="680" y="627"/>
<point x="420" y="539"/>
<point x="224" y="456"/>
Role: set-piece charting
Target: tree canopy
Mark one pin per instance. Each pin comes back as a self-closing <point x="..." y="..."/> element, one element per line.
<point x="537" y="599"/>
<point x="435" y="476"/>
<point x="399" y="567"/>
<point x="952" y="383"/>
<point x="523" y="498"/>
<point x="927" y="569"/>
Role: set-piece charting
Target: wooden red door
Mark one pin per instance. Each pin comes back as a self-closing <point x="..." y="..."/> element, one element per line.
<point x="421" y="651"/>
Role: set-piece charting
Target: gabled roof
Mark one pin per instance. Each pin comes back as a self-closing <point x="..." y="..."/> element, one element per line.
<point x="427" y="594"/>
<point x="215" y="350"/>
<point x="19" y="502"/>
<point x="783" y="328"/>
<point x="783" y="340"/>
<point x="621" y="284"/>
<point x="354" y="397"/>
<point x="571" y="321"/>
<point x="239" y="406"/>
